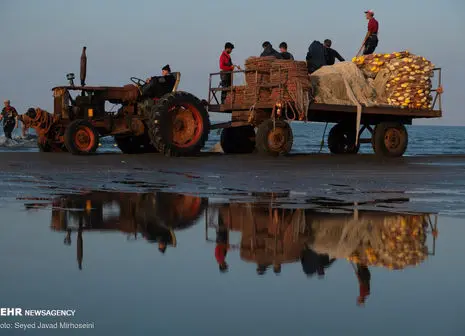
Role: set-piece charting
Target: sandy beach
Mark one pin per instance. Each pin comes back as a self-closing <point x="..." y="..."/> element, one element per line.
<point x="429" y="183"/>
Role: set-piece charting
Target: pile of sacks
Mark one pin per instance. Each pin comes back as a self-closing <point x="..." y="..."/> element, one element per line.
<point x="401" y="79"/>
<point x="263" y="86"/>
<point x="292" y="75"/>
<point x="403" y="244"/>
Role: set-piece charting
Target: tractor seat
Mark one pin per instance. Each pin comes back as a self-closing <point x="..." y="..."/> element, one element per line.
<point x="177" y="76"/>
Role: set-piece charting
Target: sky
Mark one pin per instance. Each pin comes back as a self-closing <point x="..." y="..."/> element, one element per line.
<point x="41" y="41"/>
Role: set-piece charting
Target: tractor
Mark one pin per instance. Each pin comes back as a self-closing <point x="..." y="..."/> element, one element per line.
<point x="154" y="117"/>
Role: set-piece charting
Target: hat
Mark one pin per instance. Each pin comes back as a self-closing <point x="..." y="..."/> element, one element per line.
<point x="370" y="11"/>
<point x="167" y="68"/>
<point x="6" y="101"/>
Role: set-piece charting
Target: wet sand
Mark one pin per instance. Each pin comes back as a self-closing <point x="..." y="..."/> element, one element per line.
<point x="430" y="183"/>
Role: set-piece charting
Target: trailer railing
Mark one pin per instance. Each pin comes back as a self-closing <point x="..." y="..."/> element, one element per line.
<point x="438" y="91"/>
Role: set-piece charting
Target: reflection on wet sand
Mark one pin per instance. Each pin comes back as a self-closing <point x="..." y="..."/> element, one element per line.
<point x="154" y="216"/>
<point x="271" y="237"/>
<point x="271" y="234"/>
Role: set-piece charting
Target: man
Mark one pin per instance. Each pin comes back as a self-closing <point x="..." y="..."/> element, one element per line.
<point x="364" y="277"/>
<point x="371" y="38"/>
<point x="331" y="54"/>
<point x="158" y="86"/>
<point x="269" y="51"/>
<point x="284" y="53"/>
<point x="226" y="66"/>
<point x="10" y="119"/>
<point x="222" y="246"/>
<point x="315" y="56"/>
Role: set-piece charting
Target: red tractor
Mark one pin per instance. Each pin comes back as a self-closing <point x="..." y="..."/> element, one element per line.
<point x="154" y="117"/>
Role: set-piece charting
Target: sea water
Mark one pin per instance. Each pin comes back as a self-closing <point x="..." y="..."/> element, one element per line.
<point x="423" y="140"/>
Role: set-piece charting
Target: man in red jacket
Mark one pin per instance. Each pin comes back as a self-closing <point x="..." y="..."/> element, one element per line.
<point x="226" y="66"/>
<point x="371" y="38"/>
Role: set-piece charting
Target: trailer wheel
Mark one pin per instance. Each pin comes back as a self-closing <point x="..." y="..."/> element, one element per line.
<point x="274" y="137"/>
<point x="238" y="140"/>
<point x="81" y="137"/>
<point x="341" y="139"/>
<point x="390" y="139"/>
<point x="134" y="144"/>
<point x="179" y="124"/>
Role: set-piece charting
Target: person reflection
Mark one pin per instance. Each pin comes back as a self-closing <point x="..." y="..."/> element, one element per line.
<point x="222" y="245"/>
<point x="277" y="269"/>
<point x="261" y="269"/>
<point x="364" y="277"/>
<point x="313" y="262"/>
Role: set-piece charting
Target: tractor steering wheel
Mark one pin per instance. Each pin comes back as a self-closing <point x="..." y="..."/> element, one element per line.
<point x="137" y="81"/>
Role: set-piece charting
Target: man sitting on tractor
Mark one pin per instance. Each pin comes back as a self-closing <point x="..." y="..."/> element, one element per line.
<point x="158" y="86"/>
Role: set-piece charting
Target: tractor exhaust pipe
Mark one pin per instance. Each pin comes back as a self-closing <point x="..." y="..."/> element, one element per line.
<point x="83" y="66"/>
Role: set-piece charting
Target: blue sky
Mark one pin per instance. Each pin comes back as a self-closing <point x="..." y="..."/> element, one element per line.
<point x="42" y="40"/>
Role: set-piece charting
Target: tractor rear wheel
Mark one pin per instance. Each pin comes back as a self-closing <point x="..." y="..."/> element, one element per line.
<point x="238" y="140"/>
<point x="81" y="137"/>
<point x="341" y="139"/>
<point x="274" y="137"/>
<point x="179" y="124"/>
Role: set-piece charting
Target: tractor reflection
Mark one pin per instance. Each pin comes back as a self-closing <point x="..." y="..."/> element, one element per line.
<point x="153" y="216"/>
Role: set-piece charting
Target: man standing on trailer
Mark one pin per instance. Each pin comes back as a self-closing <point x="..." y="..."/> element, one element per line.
<point x="10" y="119"/>
<point x="371" y="38"/>
<point x="226" y="66"/>
<point x="284" y="53"/>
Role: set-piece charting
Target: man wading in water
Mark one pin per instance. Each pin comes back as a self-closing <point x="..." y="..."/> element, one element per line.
<point x="10" y="119"/>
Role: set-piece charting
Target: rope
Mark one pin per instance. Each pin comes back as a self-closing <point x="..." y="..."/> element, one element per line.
<point x="323" y="139"/>
<point x="351" y="95"/>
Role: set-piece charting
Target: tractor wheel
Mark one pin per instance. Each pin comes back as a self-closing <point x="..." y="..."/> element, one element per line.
<point x="179" y="211"/>
<point x="390" y="139"/>
<point x="274" y="137"/>
<point x="238" y="140"/>
<point x="134" y="144"/>
<point x="179" y="124"/>
<point x="341" y="139"/>
<point x="48" y="147"/>
<point x="81" y="137"/>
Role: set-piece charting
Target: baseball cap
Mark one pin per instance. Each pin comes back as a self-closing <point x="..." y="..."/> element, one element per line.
<point x="370" y="11"/>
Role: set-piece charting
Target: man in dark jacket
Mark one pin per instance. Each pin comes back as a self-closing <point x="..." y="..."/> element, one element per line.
<point x="269" y="51"/>
<point x="158" y="86"/>
<point x="284" y="53"/>
<point x="10" y="119"/>
<point x="315" y="56"/>
<point x="331" y="54"/>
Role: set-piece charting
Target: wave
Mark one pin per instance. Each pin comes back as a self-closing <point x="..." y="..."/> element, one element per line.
<point x="28" y="141"/>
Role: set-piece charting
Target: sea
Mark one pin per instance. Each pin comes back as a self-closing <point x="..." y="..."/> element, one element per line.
<point x="308" y="138"/>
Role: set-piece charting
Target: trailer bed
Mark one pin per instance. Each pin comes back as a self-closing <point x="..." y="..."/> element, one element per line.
<point x="318" y="110"/>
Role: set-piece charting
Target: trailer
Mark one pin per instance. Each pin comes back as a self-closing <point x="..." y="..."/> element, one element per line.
<point x="264" y="127"/>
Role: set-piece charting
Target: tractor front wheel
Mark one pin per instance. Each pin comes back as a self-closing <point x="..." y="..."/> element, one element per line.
<point x="81" y="137"/>
<point x="134" y="144"/>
